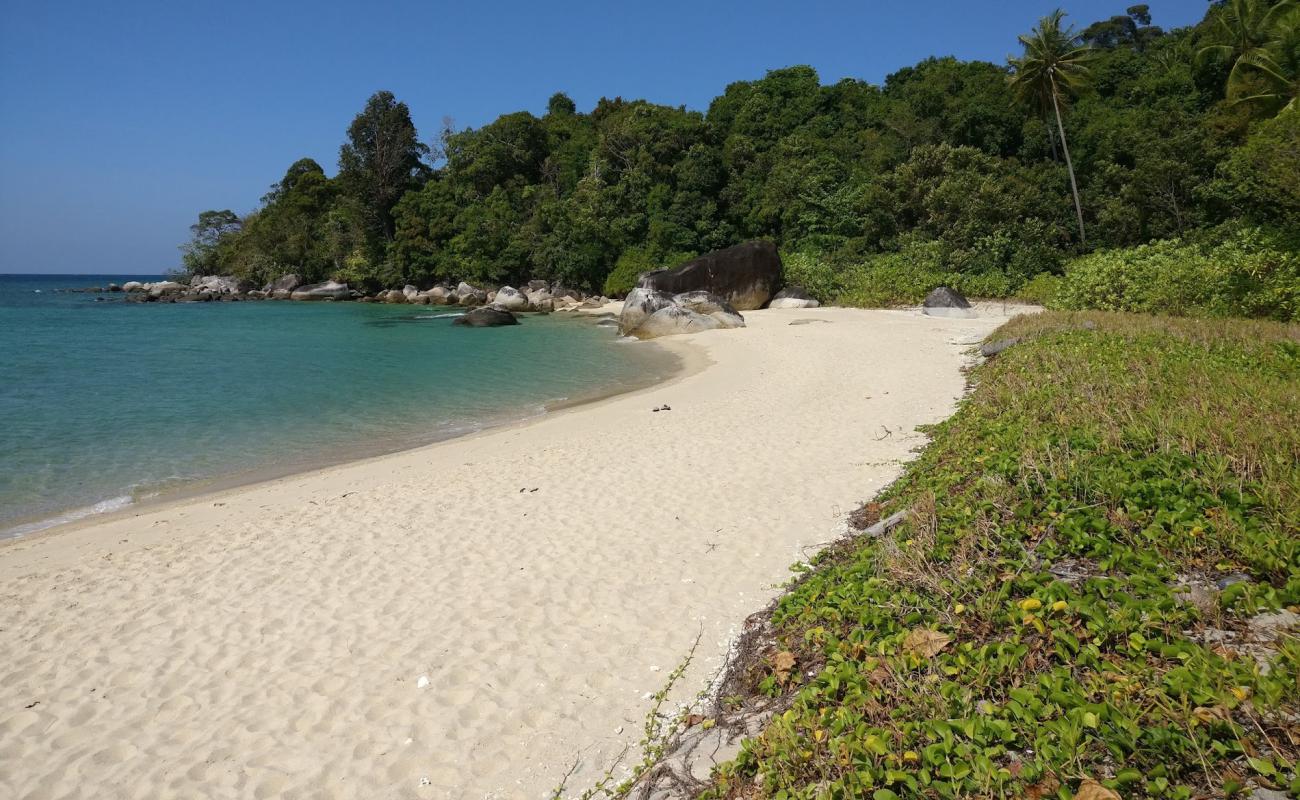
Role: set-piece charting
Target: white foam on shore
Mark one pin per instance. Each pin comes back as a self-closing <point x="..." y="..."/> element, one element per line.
<point x="102" y="507"/>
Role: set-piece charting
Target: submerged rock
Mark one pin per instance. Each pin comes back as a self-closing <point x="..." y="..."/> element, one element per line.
<point x="486" y="317"/>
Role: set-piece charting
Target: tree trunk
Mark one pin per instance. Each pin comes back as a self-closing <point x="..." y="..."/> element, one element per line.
<point x="1069" y="166"/>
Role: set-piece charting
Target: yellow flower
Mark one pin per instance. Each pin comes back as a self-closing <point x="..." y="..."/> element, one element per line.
<point x="1030" y="604"/>
<point x="959" y="608"/>
<point x="1060" y="605"/>
<point x="911" y="756"/>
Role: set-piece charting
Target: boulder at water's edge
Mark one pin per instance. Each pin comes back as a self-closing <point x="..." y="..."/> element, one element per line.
<point x="329" y="290"/>
<point x="486" y="317"/>
<point x="674" y="320"/>
<point x="638" y="307"/>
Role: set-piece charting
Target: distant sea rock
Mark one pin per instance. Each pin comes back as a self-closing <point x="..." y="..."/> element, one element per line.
<point x="486" y="317"/>
<point x="282" y="287"/>
<point x="219" y="284"/>
<point x="162" y="288"/>
<point x="329" y="290"/>
<point x="744" y="275"/>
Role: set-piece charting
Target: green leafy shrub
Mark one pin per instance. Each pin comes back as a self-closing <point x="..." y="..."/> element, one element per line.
<point x="906" y="276"/>
<point x="1040" y="289"/>
<point x="1026" y="630"/>
<point x="1233" y="271"/>
<point x="622" y="279"/>
<point x="816" y="272"/>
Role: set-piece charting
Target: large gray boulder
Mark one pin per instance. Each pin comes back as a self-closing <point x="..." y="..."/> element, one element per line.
<point x="672" y="321"/>
<point x="511" y="299"/>
<point x="710" y="305"/>
<point x="559" y="291"/>
<point x="469" y="296"/>
<point x="538" y="297"/>
<point x="283" y="286"/>
<point x="486" y="317"/>
<point x="133" y="286"/>
<point x="219" y="284"/>
<point x="946" y="302"/>
<point x="638" y="307"/>
<point x="439" y="295"/>
<point x="793" y="297"/>
<point x="329" y="290"/>
<point x="164" y="288"/>
<point x="745" y="275"/>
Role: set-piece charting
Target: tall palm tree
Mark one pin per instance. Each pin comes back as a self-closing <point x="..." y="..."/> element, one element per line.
<point x="1054" y="66"/>
<point x="1262" y="40"/>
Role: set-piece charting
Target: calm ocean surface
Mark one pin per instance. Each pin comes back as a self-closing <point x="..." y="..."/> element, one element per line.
<point x="107" y="403"/>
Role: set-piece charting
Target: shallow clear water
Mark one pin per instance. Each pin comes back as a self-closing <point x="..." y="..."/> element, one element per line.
<point x="104" y="402"/>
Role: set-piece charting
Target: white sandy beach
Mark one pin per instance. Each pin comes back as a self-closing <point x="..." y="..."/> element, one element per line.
<point x="464" y="619"/>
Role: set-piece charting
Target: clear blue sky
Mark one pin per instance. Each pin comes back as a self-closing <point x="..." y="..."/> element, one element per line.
<point x="120" y="121"/>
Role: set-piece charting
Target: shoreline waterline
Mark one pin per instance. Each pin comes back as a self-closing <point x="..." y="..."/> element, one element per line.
<point x="683" y="361"/>
<point x="414" y="622"/>
<point x="115" y="403"/>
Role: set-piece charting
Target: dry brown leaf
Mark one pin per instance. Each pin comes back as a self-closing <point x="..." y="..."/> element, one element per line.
<point x="925" y="642"/>
<point x="1044" y="788"/>
<point x="1212" y="714"/>
<point x="1091" y="790"/>
<point x="783" y="663"/>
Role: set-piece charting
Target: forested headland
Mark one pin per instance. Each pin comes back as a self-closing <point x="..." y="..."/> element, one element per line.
<point x="1112" y="165"/>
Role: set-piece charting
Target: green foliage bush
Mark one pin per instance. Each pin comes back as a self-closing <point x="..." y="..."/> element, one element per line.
<point x="1233" y="271"/>
<point x="622" y="279"/>
<point x="816" y="273"/>
<point x="1024" y="629"/>
<point x="1040" y="289"/>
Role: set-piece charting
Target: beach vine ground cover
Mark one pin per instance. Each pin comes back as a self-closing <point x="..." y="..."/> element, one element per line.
<point x="1079" y="604"/>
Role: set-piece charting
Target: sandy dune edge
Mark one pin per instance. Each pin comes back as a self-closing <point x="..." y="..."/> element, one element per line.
<point x="465" y="619"/>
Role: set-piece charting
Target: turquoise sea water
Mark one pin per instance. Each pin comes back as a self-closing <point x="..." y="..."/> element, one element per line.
<point x="103" y="403"/>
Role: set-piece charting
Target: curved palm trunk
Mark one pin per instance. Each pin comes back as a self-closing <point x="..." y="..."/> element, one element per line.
<point x="1069" y="166"/>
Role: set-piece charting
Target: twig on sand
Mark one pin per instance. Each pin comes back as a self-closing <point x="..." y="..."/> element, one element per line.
<point x="654" y="741"/>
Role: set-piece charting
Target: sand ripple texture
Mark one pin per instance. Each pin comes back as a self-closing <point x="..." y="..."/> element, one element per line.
<point x="466" y="619"/>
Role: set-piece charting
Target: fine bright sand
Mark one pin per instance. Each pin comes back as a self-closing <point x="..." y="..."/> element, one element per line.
<point x="469" y="618"/>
